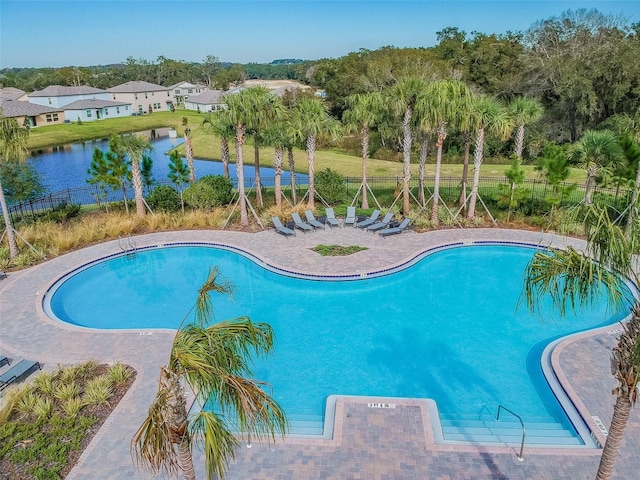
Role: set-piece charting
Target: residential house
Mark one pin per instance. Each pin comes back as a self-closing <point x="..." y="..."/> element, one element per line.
<point x="30" y="114"/>
<point x="94" y="109"/>
<point x="208" y="101"/>
<point x="183" y="90"/>
<point x="144" y="97"/>
<point x="58" y="96"/>
<point x="11" y="93"/>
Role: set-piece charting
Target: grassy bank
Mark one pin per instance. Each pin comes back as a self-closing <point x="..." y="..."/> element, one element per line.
<point x="207" y="146"/>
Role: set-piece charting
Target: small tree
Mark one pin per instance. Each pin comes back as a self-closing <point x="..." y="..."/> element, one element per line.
<point x="515" y="174"/>
<point x="554" y="165"/>
<point x="20" y="181"/>
<point x="178" y="173"/>
<point x="330" y="186"/>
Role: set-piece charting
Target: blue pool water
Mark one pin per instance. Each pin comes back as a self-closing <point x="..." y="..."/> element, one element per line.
<point x="446" y="328"/>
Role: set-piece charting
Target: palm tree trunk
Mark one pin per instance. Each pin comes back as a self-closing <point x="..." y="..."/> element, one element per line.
<point x="465" y="175"/>
<point x="424" y="150"/>
<point x="442" y="135"/>
<point x="136" y="181"/>
<point x="124" y="197"/>
<point x="11" y="235"/>
<point x="621" y="412"/>
<point x="477" y="161"/>
<point x="185" y="459"/>
<point x="188" y="150"/>
<point x="588" y="189"/>
<point x="244" y="217"/>
<point x="256" y="160"/>
<point x="292" y="173"/>
<point x="406" y="159"/>
<point x="224" y="153"/>
<point x="278" y="156"/>
<point x="364" y="135"/>
<point x="519" y="141"/>
<point x="633" y="207"/>
<point x="311" y="158"/>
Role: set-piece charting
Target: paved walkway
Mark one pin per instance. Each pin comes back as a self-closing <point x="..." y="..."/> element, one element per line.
<point x="367" y="443"/>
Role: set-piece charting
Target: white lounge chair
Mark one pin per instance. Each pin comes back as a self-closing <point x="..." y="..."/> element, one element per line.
<point x="369" y="221"/>
<point x="281" y="229"/>
<point x="331" y="218"/>
<point x="382" y="223"/>
<point x="311" y="220"/>
<point x="351" y="216"/>
<point x="299" y="224"/>
<point x="399" y="229"/>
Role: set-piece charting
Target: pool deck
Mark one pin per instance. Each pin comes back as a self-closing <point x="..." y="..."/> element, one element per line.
<point x="368" y="443"/>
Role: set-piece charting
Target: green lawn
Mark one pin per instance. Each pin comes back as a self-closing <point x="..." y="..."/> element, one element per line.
<point x="207" y="146"/>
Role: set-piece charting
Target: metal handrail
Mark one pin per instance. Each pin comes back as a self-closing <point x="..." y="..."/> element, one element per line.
<point x="502" y="407"/>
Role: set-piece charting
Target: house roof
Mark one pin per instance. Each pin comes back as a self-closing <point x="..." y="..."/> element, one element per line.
<point x="208" y="97"/>
<point x="90" y="103"/>
<point x="11" y="93"/>
<point x="16" y="108"/>
<point x="63" y="91"/>
<point x="186" y="85"/>
<point x="137" y="86"/>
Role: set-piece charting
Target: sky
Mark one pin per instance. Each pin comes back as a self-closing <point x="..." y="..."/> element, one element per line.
<point x="52" y="33"/>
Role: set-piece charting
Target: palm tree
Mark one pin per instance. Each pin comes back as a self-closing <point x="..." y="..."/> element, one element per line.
<point x="214" y="360"/>
<point x="188" y="149"/>
<point x="135" y="147"/>
<point x="467" y="138"/>
<point x="13" y="148"/>
<point x="266" y="109"/>
<point x="403" y="97"/>
<point x="449" y="104"/>
<point x="309" y="119"/>
<point x="487" y="116"/>
<point x="221" y="125"/>
<point x="178" y="174"/>
<point x="596" y="151"/>
<point x="572" y="279"/>
<point x="524" y="111"/>
<point x="277" y="136"/>
<point x="365" y="111"/>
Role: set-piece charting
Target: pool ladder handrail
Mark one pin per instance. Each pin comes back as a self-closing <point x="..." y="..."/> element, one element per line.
<point x="129" y="248"/>
<point x="502" y="407"/>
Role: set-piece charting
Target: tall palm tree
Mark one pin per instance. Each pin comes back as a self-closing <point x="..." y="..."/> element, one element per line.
<point x="523" y="111"/>
<point x="572" y="279"/>
<point x="448" y="104"/>
<point x="403" y="97"/>
<point x="467" y="138"/>
<point x="188" y="149"/>
<point x="596" y="151"/>
<point x="240" y="106"/>
<point x="214" y="360"/>
<point x="13" y="148"/>
<point x="364" y="112"/>
<point x="310" y="118"/>
<point x="267" y="108"/>
<point x="135" y="146"/>
<point x="277" y="135"/>
<point x="221" y="125"/>
<point x="487" y="116"/>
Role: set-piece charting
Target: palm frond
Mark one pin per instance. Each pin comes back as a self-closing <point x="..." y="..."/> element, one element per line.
<point x="204" y="305"/>
<point x="571" y="280"/>
<point x="213" y="436"/>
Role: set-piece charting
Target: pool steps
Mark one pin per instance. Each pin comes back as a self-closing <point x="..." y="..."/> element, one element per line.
<point x="540" y="431"/>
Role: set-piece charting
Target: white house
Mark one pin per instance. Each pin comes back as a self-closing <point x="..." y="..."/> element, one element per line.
<point x="58" y="96"/>
<point x="209" y="101"/>
<point x="144" y="97"/>
<point x="183" y="90"/>
<point x="90" y="110"/>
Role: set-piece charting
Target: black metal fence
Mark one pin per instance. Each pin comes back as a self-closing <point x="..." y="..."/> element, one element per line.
<point x="386" y="190"/>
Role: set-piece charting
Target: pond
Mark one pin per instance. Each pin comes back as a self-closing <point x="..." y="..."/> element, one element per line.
<point x="66" y="166"/>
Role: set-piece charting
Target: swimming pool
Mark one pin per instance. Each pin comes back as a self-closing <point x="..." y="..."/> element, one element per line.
<point x="444" y="328"/>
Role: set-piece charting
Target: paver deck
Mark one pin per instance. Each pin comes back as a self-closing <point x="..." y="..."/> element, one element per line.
<point x="368" y="443"/>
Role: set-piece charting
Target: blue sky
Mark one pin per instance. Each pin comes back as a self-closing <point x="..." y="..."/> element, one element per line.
<point x="55" y="33"/>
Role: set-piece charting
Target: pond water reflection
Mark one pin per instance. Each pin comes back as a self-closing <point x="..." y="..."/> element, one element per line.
<point x="66" y="166"/>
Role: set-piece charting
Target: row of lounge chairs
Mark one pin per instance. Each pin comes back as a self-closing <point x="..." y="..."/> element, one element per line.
<point x="17" y="372"/>
<point x="384" y="227"/>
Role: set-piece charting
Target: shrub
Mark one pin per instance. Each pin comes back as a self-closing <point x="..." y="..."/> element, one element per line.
<point x="62" y="213"/>
<point x="330" y="186"/>
<point x="164" y="198"/>
<point x="222" y="189"/>
<point x="119" y="373"/>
